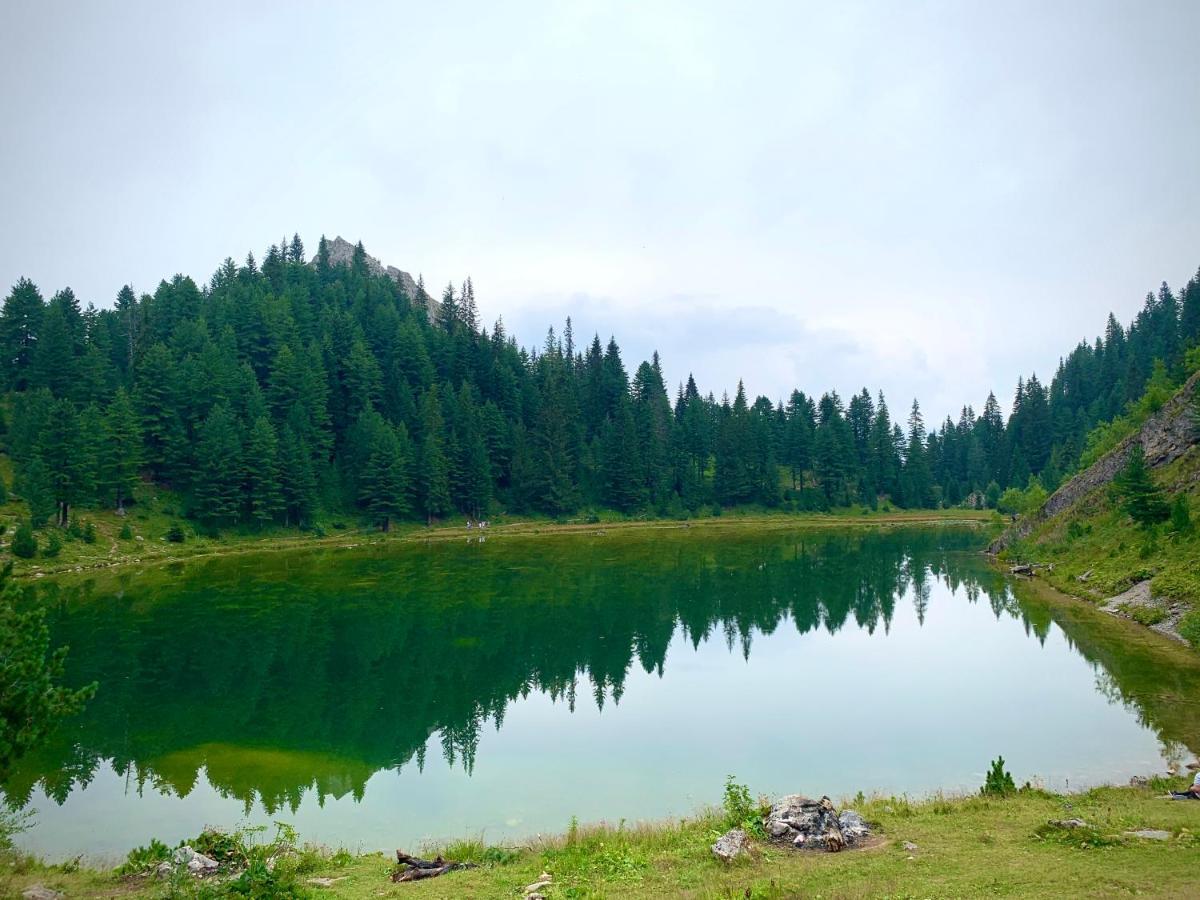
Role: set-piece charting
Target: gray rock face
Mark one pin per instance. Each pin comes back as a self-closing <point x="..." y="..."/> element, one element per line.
<point x="731" y="845"/>
<point x="341" y="252"/>
<point x="1165" y="437"/>
<point x="814" y="824"/>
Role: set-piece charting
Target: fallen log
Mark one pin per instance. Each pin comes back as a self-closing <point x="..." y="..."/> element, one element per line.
<point x="412" y="868"/>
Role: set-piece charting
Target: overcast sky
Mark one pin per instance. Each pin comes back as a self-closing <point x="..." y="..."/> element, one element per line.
<point x="927" y="198"/>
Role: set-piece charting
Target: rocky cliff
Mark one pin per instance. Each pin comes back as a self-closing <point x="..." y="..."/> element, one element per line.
<point x="1164" y="437"/>
<point x="341" y="252"/>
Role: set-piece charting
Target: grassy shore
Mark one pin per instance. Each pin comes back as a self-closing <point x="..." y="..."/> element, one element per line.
<point x="964" y="847"/>
<point x="149" y="522"/>
<point x="1098" y="553"/>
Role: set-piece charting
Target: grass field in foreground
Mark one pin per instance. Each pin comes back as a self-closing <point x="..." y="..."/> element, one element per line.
<point x="965" y="847"/>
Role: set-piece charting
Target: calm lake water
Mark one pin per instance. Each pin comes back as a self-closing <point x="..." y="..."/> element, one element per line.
<point x="379" y="698"/>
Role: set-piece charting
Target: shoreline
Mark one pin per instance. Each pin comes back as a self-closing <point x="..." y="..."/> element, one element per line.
<point x="209" y="548"/>
<point x="940" y="844"/>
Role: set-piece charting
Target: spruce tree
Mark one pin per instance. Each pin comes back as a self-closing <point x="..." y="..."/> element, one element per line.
<point x="1141" y="498"/>
<point x="263" y="491"/>
<point x="20" y="324"/>
<point x="217" y="487"/>
<point x="122" y="453"/>
<point x="433" y="486"/>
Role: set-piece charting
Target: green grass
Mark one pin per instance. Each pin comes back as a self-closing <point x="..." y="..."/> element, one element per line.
<point x="966" y="847"/>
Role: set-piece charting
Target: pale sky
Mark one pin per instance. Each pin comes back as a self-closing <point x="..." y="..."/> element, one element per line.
<point x="931" y="198"/>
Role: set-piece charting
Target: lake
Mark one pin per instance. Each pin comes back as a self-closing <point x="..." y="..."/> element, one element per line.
<point x="380" y="697"/>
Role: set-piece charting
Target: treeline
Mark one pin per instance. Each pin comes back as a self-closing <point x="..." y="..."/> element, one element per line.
<point x="281" y="391"/>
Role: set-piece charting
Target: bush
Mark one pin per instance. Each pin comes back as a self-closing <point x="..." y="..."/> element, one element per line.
<point x="741" y="810"/>
<point x="1181" y="516"/>
<point x="24" y="543"/>
<point x="126" y="533"/>
<point x="143" y="859"/>
<point x="998" y="783"/>
<point x="53" y="546"/>
<point x="1189" y="627"/>
<point x="175" y="533"/>
<point x="89" y="533"/>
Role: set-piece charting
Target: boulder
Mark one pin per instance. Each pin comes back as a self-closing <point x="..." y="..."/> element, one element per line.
<point x="40" y="892"/>
<point x="732" y="845"/>
<point x="814" y="824"/>
<point x="1070" y="824"/>
<point x="197" y="863"/>
<point x="1139" y="781"/>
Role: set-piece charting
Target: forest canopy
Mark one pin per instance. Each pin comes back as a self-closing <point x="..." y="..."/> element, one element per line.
<point x="282" y="391"/>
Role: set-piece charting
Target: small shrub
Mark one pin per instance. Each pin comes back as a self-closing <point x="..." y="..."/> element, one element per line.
<point x="54" y="545"/>
<point x="89" y="533"/>
<point x="741" y="809"/>
<point x="175" y="534"/>
<point x="126" y="533"/>
<point x="1181" y="516"/>
<point x="75" y="530"/>
<point x="998" y="783"/>
<point x="25" y="542"/>
<point x="143" y="859"/>
<point x="716" y="509"/>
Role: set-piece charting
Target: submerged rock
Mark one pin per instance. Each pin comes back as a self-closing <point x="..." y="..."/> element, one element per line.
<point x="814" y="824"/>
<point x="732" y="845"/>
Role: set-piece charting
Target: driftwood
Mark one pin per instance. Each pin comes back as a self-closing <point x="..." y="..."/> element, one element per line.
<point x="1030" y="568"/>
<point x="415" y="869"/>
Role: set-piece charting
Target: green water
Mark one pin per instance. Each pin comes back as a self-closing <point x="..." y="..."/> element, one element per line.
<point x="380" y="698"/>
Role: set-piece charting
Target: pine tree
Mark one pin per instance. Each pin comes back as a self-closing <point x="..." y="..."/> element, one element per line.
<point x="20" y="324"/>
<point x="217" y="491"/>
<point x="122" y="453"/>
<point x="60" y="450"/>
<point x="384" y="481"/>
<point x="297" y="481"/>
<point x="1141" y="498"/>
<point x="918" y="482"/>
<point x="433" y="485"/>
<point x="263" y="489"/>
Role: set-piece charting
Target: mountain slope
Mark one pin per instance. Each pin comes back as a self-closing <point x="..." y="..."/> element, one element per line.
<point x="1098" y="552"/>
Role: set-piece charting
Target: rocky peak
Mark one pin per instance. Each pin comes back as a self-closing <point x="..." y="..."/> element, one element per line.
<point x="341" y="252"/>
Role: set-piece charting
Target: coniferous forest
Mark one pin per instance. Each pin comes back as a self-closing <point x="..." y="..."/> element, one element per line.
<point x="282" y="391"/>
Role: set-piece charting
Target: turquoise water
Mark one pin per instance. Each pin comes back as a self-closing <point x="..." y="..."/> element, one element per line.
<point x="380" y="698"/>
